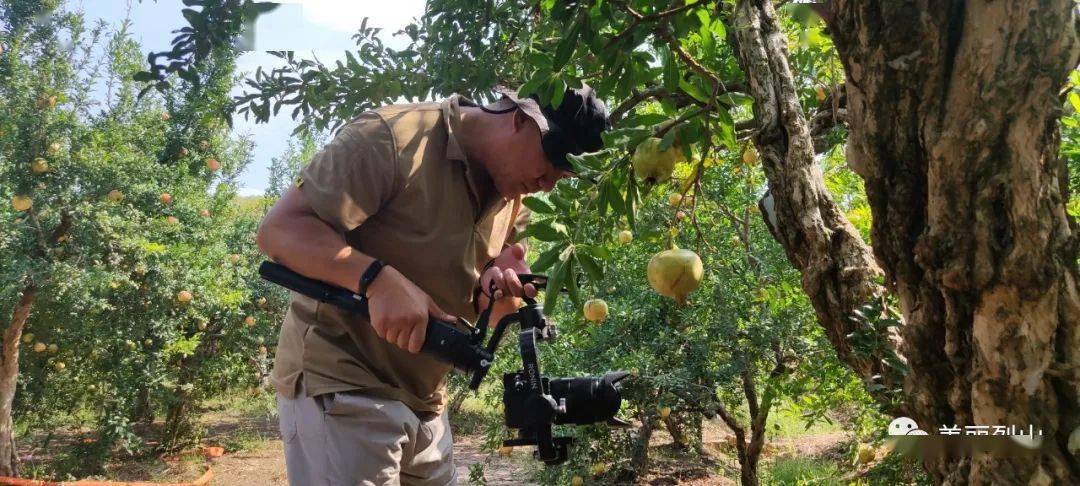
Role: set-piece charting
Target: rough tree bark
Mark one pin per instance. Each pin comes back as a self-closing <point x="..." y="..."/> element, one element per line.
<point x="9" y="375"/>
<point x="954" y="110"/>
<point x="838" y="269"/>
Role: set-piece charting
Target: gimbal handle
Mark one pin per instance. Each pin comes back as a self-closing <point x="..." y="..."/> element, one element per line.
<point x="444" y="342"/>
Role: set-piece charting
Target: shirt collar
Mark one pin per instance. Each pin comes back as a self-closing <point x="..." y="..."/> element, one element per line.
<point x="451" y="112"/>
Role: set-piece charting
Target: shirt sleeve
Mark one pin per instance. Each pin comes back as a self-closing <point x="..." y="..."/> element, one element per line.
<point x="354" y="175"/>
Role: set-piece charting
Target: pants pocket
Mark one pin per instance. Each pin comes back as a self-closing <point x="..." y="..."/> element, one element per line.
<point x="287" y="418"/>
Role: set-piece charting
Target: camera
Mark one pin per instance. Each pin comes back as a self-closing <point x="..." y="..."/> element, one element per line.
<point x="533" y="403"/>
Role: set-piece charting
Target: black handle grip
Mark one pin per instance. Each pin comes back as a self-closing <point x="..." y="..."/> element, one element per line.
<point x="444" y="342"/>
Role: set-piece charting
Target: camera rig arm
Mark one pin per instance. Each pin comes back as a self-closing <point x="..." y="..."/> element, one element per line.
<point x="533" y="402"/>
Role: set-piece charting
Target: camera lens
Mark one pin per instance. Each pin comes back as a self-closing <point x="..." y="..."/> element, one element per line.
<point x="589" y="399"/>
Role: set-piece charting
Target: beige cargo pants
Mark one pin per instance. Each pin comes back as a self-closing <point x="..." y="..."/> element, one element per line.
<point x="348" y="439"/>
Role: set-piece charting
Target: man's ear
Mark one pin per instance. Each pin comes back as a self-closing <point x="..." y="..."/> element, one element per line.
<point x="520" y="120"/>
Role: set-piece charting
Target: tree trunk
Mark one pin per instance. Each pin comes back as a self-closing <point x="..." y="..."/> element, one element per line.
<point x="748" y="458"/>
<point x="838" y="269"/>
<point x="954" y="110"/>
<point x="639" y="462"/>
<point x="9" y="375"/>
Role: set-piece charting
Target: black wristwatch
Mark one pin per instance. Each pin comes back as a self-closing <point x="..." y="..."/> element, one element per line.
<point x="369" y="276"/>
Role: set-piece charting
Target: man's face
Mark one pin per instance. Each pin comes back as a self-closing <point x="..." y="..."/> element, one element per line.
<point x="523" y="167"/>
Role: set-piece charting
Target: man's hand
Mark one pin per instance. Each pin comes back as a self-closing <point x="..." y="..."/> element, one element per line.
<point x="399" y="310"/>
<point x="504" y="273"/>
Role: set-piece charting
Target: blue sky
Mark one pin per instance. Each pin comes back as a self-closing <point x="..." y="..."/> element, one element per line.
<point x="309" y="27"/>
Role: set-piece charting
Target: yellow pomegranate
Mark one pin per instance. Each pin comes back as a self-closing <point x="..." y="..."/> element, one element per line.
<point x="183" y="296"/>
<point x="40" y="347"/>
<point x="165" y="116"/>
<point x="115" y="196"/>
<point x="652" y="164"/>
<point x="665" y="412"/>
<point x="213" y="165"/>
<point x="172" y="220"/>
<point x="53" y="349"/>
<point x="595" y="310"/>
<point x="598" y="469"/>
<point x="249" y="321"/>
<point x="21" y="203"/>
<point x="625" y="237"/>
<point x="577" y="481"/>
<point x="261" y="302"/>
<point x="39" y="166"/>
<point x="204" y="213"/>
<point x="59" y="366"/>
<point x="820" y="92"/>
<point x="750" y="156"/>
<point x="234" y="258"/>
<point x="166" y="198"/>
<point x="28" y="338"/>
<point x="675" y="199"/>
<point x="675" y="273"/>
<point x="53" y="148"/>
<point x="866" y="454"/>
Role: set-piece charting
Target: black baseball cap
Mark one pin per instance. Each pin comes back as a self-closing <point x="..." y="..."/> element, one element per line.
<point x="572" y="128"/>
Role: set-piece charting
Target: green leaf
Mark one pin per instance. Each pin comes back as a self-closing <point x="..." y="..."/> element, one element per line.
<point x="669" y="138"/>
<point x="671" y="70"/>
<point x="590" y="265"/>
<point x="629" y="207"/>
<point x="694" y="91"/>
<point x="543" y="231"/>
<point x="703" y="17"/>
<point x="599" y="252"/>
<point x="144" y="76"/>
<point x="264" y="7"/>
<point x="189" y="75"/>
<point x="572" y="284"/>
<point x="1074" y="100"/>
<point x="708" y="43"/>
<point x="727" y="129"/>
<point x="566" y="46"/>
<point x="192" y="16"/>
<point x="533" y="84"/>
<point x="561" y="203"/>
<point x="538" y="205"/>
<point x="558" y="90"/>
<point x="719" y="29"/>
<point x="547" y="258"/>
<point x="555" y="283"/>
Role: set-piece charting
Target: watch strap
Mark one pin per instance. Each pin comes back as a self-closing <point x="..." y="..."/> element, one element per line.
<point x="369" y="276"/>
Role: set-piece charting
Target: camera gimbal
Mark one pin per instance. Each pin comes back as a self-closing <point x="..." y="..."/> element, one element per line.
<point x="533" y="402"/>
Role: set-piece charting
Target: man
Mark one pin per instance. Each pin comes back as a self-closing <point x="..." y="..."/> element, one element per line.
<point x="408" y="205"/>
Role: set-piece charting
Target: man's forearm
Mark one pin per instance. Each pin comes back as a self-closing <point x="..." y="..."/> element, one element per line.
<point x="314" y="249"/>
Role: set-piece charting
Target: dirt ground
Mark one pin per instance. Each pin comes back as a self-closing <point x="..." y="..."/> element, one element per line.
<point x="254" y="456"/>
<point x="265" y="465"/>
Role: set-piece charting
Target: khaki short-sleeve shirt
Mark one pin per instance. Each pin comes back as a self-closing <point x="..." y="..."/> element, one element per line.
<point x="395" y="182"/>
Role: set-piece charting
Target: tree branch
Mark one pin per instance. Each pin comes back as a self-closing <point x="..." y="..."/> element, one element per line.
<point x="639" y="18"/>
